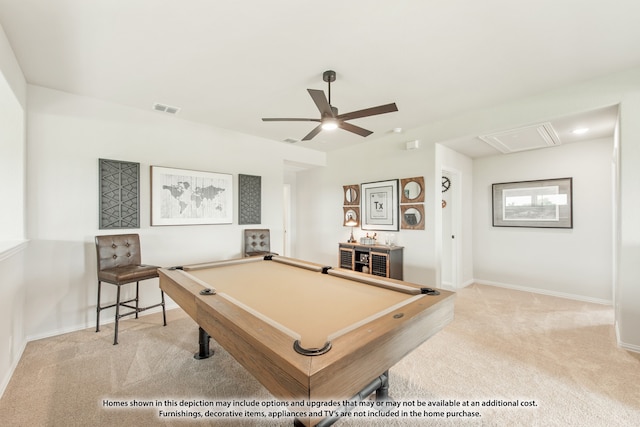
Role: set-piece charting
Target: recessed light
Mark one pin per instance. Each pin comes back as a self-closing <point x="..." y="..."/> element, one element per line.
<point x="580" y="131"/>
<point x="397" y="130"/>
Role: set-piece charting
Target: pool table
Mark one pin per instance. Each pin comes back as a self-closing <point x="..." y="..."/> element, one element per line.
<point x="304" y="330"/>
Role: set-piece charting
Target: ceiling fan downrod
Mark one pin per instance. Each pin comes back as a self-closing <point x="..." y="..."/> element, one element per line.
<point x="329" y="76"/>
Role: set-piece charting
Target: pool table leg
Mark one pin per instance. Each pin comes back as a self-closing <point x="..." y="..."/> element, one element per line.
<point x="380" y="385"/>
<point x="382" y="393"/>
<point x="203" y="341"/>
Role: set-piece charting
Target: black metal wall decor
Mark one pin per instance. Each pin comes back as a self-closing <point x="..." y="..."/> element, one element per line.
<point x="249" y="199"/>
<point x="119" y="194"/>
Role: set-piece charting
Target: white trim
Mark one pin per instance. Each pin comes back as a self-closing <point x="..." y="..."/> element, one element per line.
<point x="110" y="319"/>
<point x="629" y="347"/>
<point x="467" y="283"/>
<point x="12" y="247"/>
<point x="545" y="292"/>
<point x="12" y="369"/>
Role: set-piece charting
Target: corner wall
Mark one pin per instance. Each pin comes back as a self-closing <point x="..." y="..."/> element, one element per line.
<point x="628" y="277"/>
<point x="320" y="201"/>
<point x="13" y="89"/>
<point x="574" y="263"/>
<point x="67" y="134"/>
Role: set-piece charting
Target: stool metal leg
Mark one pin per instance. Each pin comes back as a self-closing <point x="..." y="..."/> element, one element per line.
<point x="98" y="308"/>
<point x="164" y="313"/>
<point x="115" y="336"/>
<point x="137" y="298"/>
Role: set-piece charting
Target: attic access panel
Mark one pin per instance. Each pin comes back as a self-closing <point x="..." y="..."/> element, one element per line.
<point x="523" y="139"/>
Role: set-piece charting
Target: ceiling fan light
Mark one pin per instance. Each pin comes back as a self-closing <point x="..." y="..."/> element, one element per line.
<point x="330" y="124"/>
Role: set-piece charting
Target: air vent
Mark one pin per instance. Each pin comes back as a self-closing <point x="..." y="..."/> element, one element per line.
<point x="291" y="140"/>
<point x="522" y="139"/>
<point x="166" y="108"/>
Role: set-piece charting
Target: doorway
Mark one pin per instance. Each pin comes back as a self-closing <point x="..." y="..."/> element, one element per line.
<point x="450" y="228"/>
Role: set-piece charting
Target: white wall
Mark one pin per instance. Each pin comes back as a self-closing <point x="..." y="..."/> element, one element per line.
<point x="12" y="211"/>
<point x="320" y="202"/>
<point x="67" y="135"/>
<point x="628" y="246"/>
<point x="12" y="164"/>
<point x="568" y="262"/>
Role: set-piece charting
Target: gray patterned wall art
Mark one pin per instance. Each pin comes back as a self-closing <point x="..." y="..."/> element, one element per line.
<point x="249" y="199"/>
<point x="119" y="194"/>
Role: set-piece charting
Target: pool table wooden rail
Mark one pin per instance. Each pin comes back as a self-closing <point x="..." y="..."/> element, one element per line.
<point x="355" y="359"/>
<point x="264" y="350"/>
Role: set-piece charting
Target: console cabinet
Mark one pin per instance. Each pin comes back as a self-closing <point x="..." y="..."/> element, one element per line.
<point x="379" y="260"/>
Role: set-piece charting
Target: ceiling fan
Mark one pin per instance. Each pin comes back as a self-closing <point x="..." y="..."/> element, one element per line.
<point x="329" y="117"/>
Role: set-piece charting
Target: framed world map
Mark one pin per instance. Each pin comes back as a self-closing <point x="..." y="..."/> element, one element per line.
<point x="187" y="197"/>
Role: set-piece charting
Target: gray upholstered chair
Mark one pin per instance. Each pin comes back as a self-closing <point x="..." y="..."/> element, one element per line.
<point x="257" y="241"/>
<point x="119" y="263"/>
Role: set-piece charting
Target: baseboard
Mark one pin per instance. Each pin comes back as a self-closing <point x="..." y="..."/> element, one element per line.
<point x="5" y="381"/>
<point x="544" y="292"/>
<point x="107" y="320"/>
<point x="467" y="283"/>
<point x="12" y="369"/>
<point x="629" y="347"/>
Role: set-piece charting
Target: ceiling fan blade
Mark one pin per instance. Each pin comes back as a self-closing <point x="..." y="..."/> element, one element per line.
<point x="380" y="109"/>
<point x="320" y="99"/>
<point x="288" y="120"/>
<point x="313" y="133"/>
<point x="355" y="129"/>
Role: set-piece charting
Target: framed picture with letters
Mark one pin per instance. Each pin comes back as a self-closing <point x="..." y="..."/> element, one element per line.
<point x="380" y="205"/>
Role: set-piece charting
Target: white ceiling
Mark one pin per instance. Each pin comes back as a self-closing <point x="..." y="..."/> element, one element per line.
<point x="230" y="63"/>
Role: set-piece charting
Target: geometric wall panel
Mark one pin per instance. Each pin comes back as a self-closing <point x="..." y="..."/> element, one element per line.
<point x="119" y="194"/>
<point x="249" y="199"/>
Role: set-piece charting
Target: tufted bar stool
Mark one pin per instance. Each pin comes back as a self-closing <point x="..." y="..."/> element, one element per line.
<point x="257" y="241"/>
<point x="119" y="263"/>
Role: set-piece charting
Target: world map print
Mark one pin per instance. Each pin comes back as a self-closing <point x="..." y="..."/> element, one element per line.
<point x="191" y="197"/>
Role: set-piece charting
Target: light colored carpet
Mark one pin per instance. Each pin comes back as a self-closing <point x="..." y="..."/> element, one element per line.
<point x="503" y="345"/>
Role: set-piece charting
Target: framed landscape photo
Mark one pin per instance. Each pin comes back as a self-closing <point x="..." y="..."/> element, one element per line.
<point x="187" y="197"/>
<point x="545" y="203"/>
<point x="380" y="205"/>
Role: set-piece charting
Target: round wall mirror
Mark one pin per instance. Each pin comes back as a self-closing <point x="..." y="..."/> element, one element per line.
<point x="351" y="216"/>
<point x="412" y="216"/>
<point x="412" y="190"/>
<point x="351" y="195"/>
